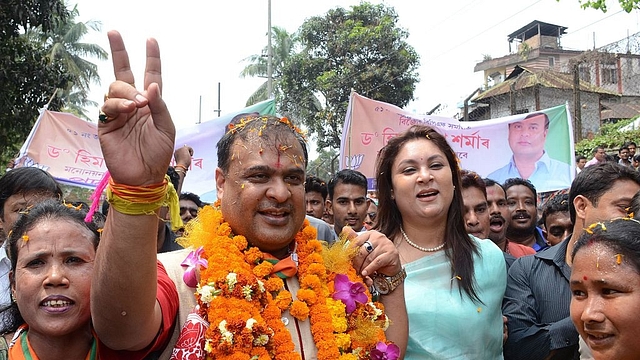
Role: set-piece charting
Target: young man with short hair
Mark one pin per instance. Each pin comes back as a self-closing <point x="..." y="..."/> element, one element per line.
<point x="556" y="220"/>
<point x="347" y="200"/>
<point x="623" y="154"/>
<point x="476" y="209"/>
<point x="315" y="196"/>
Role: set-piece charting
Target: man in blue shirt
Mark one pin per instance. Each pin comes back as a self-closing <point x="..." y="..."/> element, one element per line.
<point x="530" y="161"/>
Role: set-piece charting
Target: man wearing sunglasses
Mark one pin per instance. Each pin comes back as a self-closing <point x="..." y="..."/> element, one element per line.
<point x="371" y="214"/>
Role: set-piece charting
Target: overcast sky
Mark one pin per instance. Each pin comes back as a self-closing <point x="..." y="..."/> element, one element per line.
<point x="203" y="42"/>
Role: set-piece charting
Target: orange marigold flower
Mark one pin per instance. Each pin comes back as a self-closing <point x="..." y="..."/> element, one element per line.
<point x="283" y="300"/>
<point x="224" y="230"/>
<point x="311" y="281"/>
<point x="306" y="295"/>
<point x="316" y="269"/>
<point x="273" y="284"/>
<point x="315" y="258"/>
<point x="253" y="255"/>
<point x="299" y="310"/>
<point x="250" y="305"/>
<point x="240" y="241"/>
<point x="314" y="245"/>
<point x="263" y="269"/>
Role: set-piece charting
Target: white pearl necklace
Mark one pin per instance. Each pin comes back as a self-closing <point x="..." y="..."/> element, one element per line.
<point x="433" y="249"/>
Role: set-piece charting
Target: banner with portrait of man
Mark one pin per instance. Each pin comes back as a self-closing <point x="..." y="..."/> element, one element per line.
<point x="537" y="146"/>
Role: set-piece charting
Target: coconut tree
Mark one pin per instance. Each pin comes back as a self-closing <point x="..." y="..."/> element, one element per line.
<point x="65" y="49"/>
<point x="283" y="47"/>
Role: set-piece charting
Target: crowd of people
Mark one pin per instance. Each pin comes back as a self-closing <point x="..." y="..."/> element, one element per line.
<point x="436" y="263"/>
<point x="626" y="156"/>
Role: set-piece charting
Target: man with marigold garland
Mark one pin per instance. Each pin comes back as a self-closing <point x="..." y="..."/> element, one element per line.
<point x="264" y="286"/>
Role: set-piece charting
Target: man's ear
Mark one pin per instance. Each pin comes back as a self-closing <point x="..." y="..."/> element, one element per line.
<point x="328" y="206"/>
<point x="580" y="203"/>
<point x="220" y="180"/>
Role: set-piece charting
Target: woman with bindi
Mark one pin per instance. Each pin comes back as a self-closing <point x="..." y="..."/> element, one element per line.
<point x="455" y="281"/>
<point x="605" y="286"/>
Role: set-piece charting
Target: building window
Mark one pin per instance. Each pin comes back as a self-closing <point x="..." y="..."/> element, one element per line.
<point x="584" y="72"/>
<point x="552" y="61"/>
<point x="609" y="73"/>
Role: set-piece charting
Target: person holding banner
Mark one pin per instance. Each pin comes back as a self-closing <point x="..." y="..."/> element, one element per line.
<point x="421" y="209"/>
<point x="530" y="161"/>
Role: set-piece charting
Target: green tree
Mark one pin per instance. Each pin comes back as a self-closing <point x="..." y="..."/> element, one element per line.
<point x="283" y="45"/>
<point x="626" y="5"/>
<point x="65" y="48"/>
<point x="27" y="79"/>
<point x="325" y="165"/>
<point x="360" y="49"/>
<point x="609" y="136"/>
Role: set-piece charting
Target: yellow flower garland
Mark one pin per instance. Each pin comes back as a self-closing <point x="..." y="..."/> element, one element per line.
<point x="244" y="305"/>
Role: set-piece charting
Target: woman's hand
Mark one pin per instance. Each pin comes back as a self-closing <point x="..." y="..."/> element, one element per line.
<point x="376" y="254"/>
<point x="137" y="138"/>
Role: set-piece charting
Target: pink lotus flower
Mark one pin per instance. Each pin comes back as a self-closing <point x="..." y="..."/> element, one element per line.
<point x="349" y="292"/>
<point x="385" y="352"/>
<point x="192" y="264"/>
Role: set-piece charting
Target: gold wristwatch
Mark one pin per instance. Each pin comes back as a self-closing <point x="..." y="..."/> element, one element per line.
<point x="383" y="284"/>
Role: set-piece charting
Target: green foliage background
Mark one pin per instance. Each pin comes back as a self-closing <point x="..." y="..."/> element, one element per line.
<point x="610" y="137"/>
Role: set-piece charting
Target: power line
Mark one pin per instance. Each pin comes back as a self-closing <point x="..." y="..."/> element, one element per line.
<point x="482" y="32"/>
<point x="451" y="16"/>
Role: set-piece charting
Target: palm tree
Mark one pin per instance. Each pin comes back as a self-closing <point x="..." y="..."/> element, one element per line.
<point x="64" y="47"/>
<point x="283" y="47"/>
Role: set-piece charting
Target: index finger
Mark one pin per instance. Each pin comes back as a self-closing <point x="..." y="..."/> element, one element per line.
<point x="120" y="58"/>
<point x="153" y="69"/>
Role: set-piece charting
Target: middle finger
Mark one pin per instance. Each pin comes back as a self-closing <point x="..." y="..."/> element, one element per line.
<point x="153" y="69"/>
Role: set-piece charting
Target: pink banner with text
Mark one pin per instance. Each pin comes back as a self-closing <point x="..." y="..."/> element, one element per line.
<point x="65" y="146"/>
<point x="492" y="147"/>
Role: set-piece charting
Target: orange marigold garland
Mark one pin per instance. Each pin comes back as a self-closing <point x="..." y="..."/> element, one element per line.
<point x="243" y="304"/>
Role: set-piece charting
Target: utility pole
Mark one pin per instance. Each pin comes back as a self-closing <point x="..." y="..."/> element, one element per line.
<point x="200" y="111"/>
<point x="269" y="57"/>
<point x="218" y="110"/>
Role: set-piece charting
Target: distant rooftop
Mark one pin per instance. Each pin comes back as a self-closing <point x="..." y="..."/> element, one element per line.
<point x="537" y="27"/>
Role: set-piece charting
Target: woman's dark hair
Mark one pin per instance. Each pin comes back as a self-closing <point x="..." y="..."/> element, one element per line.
<point x="622" y="236"/>
<point x="46" y="210"/>
<point x="459" y="247"/>
<point x="27" y="180"/>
